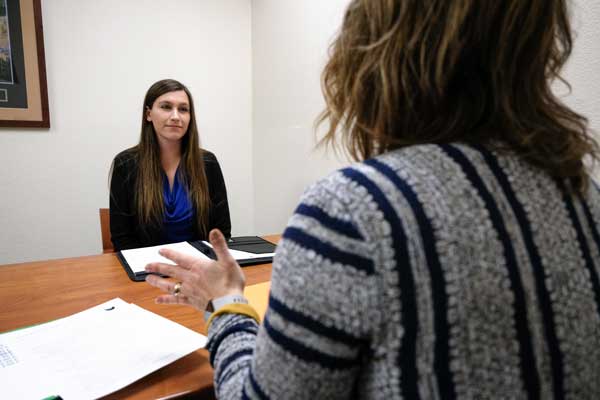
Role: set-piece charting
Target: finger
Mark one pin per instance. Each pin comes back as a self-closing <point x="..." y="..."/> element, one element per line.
<point x="185" y="261"/>
<point x="163" y="284"/>
<point x="167" y="269"/>
<point x="170" y="299"/>
<point x="219" y="244"/>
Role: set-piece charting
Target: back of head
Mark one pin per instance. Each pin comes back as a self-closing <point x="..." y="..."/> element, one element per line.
<point x="406" y="72"/>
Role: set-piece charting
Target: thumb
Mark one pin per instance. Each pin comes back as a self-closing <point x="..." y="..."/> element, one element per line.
<point x="219" y="244"/>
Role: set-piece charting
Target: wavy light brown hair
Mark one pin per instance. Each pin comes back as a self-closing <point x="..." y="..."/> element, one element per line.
<point x="149" y="183"/>
<point x="405" y="72"/>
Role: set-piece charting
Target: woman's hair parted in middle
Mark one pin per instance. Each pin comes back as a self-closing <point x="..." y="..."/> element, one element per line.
<point x="404" y="72"/>
<point x="149" y="184"/>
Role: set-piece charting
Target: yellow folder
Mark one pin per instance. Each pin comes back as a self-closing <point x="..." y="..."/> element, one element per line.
<point x="258" y="297"/>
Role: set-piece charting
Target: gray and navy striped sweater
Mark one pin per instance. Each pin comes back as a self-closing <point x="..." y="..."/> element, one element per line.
<point x="431" y="272"/>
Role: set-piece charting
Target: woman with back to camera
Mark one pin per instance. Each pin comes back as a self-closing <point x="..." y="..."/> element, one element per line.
<point x="460" y="258"/>
<point x="166" y="189"/>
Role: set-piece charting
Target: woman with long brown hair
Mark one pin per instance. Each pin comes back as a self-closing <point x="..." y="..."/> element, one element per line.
<point x="460" y="256"/>
<point x="167" y="188"/>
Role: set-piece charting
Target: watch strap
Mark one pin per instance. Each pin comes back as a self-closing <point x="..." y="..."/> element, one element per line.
<point x="220" y="302"/>
<point x="229" y="299"/>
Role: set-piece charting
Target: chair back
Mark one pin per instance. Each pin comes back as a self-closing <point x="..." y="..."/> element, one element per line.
<point x="107" y="246"/>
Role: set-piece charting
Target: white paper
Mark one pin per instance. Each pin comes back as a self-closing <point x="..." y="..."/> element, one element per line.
<point x="243" y="255"/>
<point x="92" y="353"/>
<point x="139" y="258"/>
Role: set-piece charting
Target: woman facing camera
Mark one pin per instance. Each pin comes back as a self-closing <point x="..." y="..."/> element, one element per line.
<point x="459" y="257"/>
<point x="166" y="188"/>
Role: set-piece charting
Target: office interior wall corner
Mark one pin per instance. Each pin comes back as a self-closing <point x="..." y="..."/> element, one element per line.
<point x="583" y="69"/>
<point x="289" y="46"/>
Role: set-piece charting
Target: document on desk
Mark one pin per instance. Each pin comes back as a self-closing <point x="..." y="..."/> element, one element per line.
<point x="92" y="353"/>
<point x="139" y="258"/>
<point x="247" y="250"/>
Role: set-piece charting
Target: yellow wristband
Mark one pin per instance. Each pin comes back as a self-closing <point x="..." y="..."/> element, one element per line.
<point x="235" y="308"/>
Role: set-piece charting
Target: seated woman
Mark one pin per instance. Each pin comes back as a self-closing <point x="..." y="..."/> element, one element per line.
<point x="166" y="189"/>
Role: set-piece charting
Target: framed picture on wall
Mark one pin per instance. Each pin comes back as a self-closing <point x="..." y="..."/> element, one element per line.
<point x="23" y="88"/>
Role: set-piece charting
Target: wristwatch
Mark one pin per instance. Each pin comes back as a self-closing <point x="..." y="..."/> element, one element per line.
<point x="214" y="304"/>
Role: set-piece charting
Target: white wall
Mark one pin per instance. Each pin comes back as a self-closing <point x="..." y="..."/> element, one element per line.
<point x="583" y="69"/>
<point x="290" y="39"/>
<point x="101" y="57"/>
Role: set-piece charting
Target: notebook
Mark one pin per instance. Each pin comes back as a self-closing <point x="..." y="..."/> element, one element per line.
<point x="247" y="250"/>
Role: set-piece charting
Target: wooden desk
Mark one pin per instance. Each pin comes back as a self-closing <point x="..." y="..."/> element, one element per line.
<point x="36" y="292"/>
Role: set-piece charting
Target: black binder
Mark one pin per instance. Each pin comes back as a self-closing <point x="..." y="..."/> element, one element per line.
<point x="249" y="244"/>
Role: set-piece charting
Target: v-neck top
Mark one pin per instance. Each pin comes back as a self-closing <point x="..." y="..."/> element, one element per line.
<point x="179" y="213"/>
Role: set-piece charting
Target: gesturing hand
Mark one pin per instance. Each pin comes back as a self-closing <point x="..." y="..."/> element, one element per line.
<point x="201" y="280"/>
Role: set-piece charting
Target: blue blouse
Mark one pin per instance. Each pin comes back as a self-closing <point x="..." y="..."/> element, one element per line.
<point x="179" y="213"/>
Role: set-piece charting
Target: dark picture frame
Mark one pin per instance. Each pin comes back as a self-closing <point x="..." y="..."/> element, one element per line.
<point x="23" y="85"/>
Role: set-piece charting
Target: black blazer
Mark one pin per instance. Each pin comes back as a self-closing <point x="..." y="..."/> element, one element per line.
<point x="125" y="230"/>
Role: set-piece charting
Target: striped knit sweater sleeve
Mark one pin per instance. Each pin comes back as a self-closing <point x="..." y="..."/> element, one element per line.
<point x="323" y="306"/>
<point x="431" y="272"/>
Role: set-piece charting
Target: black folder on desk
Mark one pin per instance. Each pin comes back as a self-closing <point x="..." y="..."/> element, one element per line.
<point x="250" y="244"/>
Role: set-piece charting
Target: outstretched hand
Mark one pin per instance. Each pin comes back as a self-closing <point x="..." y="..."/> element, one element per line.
<point x="201" y="280"/>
